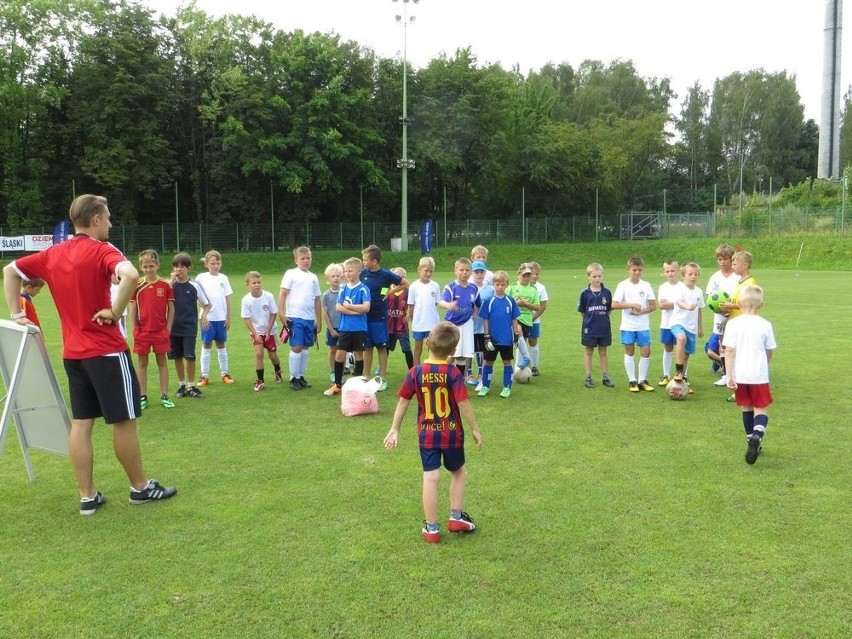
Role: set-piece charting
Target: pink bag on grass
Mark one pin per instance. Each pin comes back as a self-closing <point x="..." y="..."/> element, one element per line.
<point x="358" y="396"/>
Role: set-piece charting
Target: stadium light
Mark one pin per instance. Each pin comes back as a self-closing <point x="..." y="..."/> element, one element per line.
<point x="404" y="164"/>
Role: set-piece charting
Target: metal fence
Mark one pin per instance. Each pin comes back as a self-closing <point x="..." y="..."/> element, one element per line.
<point x="198" y="238"/>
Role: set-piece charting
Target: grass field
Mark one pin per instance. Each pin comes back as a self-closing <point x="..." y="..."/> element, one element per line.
<point x="601" y="513"/>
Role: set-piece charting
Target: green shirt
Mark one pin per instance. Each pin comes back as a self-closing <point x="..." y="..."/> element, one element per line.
<point x="528" y="292"/>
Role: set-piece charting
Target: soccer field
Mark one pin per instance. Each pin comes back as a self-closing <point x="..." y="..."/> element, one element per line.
<point x="601" y="513"/>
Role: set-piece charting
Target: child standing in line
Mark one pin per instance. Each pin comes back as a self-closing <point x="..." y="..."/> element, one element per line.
<point x="741" y="264"/>
<point x="300" y="307"/>
<point x="443" y="409"/>
<point x="215" y="327"/>
<point x="526" y="295"/>
<point x="398" y="319"/>
<point x="353" y="304"/>
<point x="667" y="293"/>
<point x="189" y="296"/>
<point x="722" y="280"/>
<point x="535" y="332"/>
<point x="500" y="315"/>
<point x="635" y="297"/>
<point x="749" y="342"/>
<point x="423" y="296"/>
<point x="151" y="312"/>
<point x="596" y="305"/>
<point x="330" y="314"/>
<point x="29" y="289"/>
<point x="459" y="300"/>
<point x="259" y="312"/>
<point x="686" y="319"/>
<point x="480" y="254"/>
<point x="485" y="293"/>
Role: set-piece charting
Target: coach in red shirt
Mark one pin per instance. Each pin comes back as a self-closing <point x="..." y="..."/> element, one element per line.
<point x="101" y="379"/>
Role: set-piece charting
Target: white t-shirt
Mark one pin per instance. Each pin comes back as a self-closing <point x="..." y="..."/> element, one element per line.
<point x="218" y="289"/>
<point x="304" y="289"/>
<point x="628" y="293"/>
<point x="542" y="297"/>
<point x="719" y="282"/>
<point x="259" y="310"/>
<point x="424" y="298"/>
<point x="668" y="292"/>
<point x="750" y="336"/>
<point x="683" y="317"/>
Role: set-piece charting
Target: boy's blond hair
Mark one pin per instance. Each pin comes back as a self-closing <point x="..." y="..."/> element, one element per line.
<point x="353" y="261"/>
<point x="151" y="254"/>
<point x="478" y="250"/>
<point x="594" y="267"/>
<point x="535" y="266"/>
<point x="462" y="261"/>
<point x="334" y="267"/>
<point x="426" y="262"/>
<point x="211" y="253"/>
<point x="500" y="276"/>
<point x="443" y="339"/>
<point x="744" y="256"/>
<point x="690" y="265"/>
<point x="253" y="275"/>
<point x="672" y="263"/>
<point x="301" y="250"/>
<point x="724" y="250"/>
<point x="399" y="271"/>
<point x="751" y="297"/>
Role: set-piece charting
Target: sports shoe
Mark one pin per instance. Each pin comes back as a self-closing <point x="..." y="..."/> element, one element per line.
<point x="483" y="391"/>
<point x="753" y="449"/>
<point x="258" y="385"/>
<point x="472" y="380"/>
<point x="294" y="384"/>
<point x="152" y="492"/>
<point x="732" y="398"/>
<point x="645" y="386"/>
<point x="506" y="392"/>
<point x="331" y="392"/>
<point x="535" y="372"/>
<point x="303" y="382"/>
<point x="432" y="536"/>
<point x="227" y="379"/>
<point x="203" y="381"/>
<point x="589" y="383"/>
<point x="181" y="391"/>
<point x="383" y="386"/>
<point x="664" y="381"/>
<point x="479" y="387"/>
<point x="143" y="401"/>
<point x="523" y="362"/>
<point x="193" y="392"/>
<point x="463" y="524"/>
<point x="166" y="402"/>
<point x="606" y="381"/>
<point x="279" y="376"/>
<point x="722" y="381"/>
<point x="633" y="387"/>
<point x="90" y="505"/>
<point x="688" y="385"/>
<point x="678" y="377"/>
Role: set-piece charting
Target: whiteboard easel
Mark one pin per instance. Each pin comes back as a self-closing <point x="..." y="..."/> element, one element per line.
<point x="33" y="397"/>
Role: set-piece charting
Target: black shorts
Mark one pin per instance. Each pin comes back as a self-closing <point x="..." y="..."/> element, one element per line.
<point x="505" y="352"/>
<point x="593" y="342"/>
<point x="105" y="387"/>
<point x="478" y="342"/>
<point x="525" y="330"/>
<point x="351" y="341"/>
<point x="182" y="347"/>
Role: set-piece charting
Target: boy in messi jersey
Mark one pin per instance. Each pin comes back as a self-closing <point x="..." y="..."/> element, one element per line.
<point x="442" y="405"/>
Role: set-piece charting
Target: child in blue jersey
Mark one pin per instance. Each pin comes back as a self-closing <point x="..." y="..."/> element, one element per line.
<point x="443" y="409"/>
<point x="485" y="293"/>
<point x="353" y="304"/>
<point x="459" y="300"/>
<point x="500" y="319"/>
<point x="595" y="306"/>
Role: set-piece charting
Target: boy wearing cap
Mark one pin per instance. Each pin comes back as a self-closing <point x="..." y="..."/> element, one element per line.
<point x="527" y="298"/>
<point x="485" y="292"/>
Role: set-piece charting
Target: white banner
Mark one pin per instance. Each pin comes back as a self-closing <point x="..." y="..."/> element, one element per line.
<point x="26" y="243"/>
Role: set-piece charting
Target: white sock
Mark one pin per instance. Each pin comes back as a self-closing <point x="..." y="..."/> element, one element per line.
<point x="303" y="365"/>
<point x="534" y="355"/>
<point x="205" y="362"/>
<point x="222" y="354"/>
<point x="630" y="367"/>
<point x="644" y="367"/>
<point x="522" y="347"/>
<point x="667" y="362"/>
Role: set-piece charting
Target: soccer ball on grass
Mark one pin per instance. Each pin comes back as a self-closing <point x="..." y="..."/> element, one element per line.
<point x="523" y="375"/>
<point x="677" y="390"/>
<point x="716" y="299"/>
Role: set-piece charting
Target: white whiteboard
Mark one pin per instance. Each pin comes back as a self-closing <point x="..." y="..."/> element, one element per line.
<point x="33" y="399"/>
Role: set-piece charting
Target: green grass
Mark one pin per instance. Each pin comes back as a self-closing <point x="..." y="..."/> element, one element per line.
<point x="601" y="513"/>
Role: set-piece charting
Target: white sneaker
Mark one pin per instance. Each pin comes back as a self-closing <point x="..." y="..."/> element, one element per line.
<point x="478" y="387"/>
<point x="722" y="381"/>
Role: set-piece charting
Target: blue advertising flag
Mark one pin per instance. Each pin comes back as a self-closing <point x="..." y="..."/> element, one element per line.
<point x="426" y="237"/>
<point x="62" y="231"/>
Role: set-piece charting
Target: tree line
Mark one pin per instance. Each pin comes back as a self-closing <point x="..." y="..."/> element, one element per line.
<point x="233" y="120"/>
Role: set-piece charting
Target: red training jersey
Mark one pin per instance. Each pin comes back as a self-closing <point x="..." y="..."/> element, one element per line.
<point x="152" y="306"/>
<point x="439" y="388"/>
<point x="398" y="313"/>
<point x="78" y="272"/>
<point x="29" y="308"/>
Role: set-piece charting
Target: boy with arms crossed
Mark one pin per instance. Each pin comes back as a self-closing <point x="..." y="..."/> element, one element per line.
<point x="443" y="408"/>
<point x="459" y="299"/>
<point x="300" y="307"/>
<point x="526" y="295"/>
<point x="636" y="299"/>
<point x="423" y="296"/>
<point x="215" y="327"/>
<point x="259" y="312"/>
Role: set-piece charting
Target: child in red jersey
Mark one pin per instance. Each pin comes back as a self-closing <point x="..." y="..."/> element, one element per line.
<point x="29" y="290"/>
<point x="151" y="312"/>
<point x="443" y="405"/>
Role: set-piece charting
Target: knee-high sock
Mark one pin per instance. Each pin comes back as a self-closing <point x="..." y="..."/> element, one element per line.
<point x="487" y="373"/>
<point x="630" y="367"/>
<point x="507" y="375"/>
<point x="668" y="356"/>
<point x="534" y="354"/>
<point x="760" y="424"/>
<point x="205" y="362"/>
<point x="748" y="421"/>
<point x="644" y="367"/>
<point x="295" y="363"/>
<point x="303" y="366"/>
<point x="522" y="347"/>
<point x="222" y="354"/>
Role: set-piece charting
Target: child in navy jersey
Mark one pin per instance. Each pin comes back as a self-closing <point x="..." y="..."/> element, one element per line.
<point x="596" y="305"/>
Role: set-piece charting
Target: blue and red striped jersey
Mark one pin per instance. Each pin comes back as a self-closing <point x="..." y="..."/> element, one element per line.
<point x="439" y="387"/>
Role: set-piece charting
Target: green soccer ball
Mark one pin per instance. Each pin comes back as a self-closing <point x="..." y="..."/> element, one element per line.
<point x="716" y="299"/>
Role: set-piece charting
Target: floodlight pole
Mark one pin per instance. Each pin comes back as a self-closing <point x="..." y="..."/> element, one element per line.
<point x="405" y="163"/>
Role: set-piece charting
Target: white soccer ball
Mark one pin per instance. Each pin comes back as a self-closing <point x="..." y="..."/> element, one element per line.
<point x="523" y="375"/>
<point x="677" y="390"/>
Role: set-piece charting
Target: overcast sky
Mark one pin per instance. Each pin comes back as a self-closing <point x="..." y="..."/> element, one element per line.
<point x="685" y="40"/>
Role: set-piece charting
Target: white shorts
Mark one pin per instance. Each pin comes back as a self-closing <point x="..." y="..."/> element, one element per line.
<point x="465" y="346"/>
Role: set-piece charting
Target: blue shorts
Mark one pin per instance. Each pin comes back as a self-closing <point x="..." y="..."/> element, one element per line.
<point x="639" y="338"/>
<point x="677" y="329"/>
<point x="431" y="458"/>
<point x="303" y="332"/>
<point x="419" y="336"/>
<point x="216" y="333"/>
<point x="713" y="344"/>
<point x="535" y="331"/>
<point x="377" y="335"/>
<point x="329" y="340"/>
<point x="666" y="337"/>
